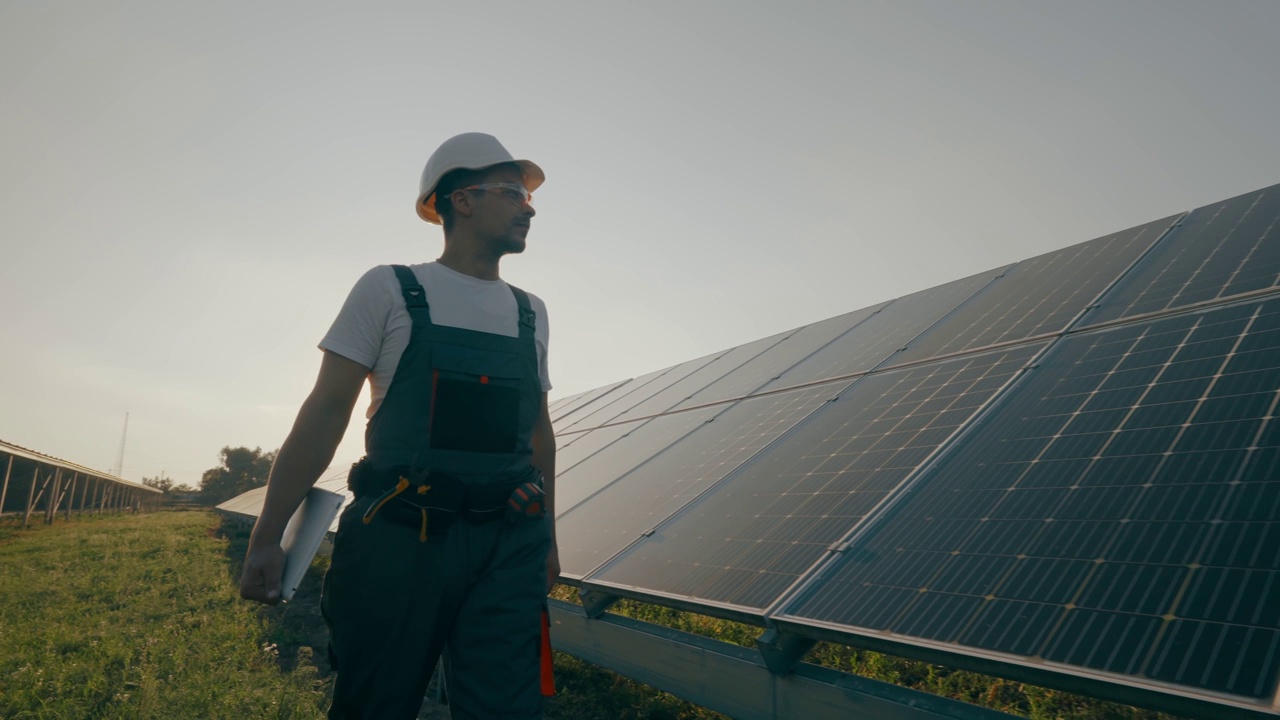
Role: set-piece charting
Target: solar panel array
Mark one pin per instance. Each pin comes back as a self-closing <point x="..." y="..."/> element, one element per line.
<point x="1070" y="464"/>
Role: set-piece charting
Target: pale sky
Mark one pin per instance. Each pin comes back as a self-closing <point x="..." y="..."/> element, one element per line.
<point x="188" y="191"/>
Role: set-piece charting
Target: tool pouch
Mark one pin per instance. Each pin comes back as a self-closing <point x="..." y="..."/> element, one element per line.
<point x="433" y="502"/>
<point x="429" y="502"/>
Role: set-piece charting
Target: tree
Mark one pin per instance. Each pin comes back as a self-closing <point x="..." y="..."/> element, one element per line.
<point x="166" y="485"/>
<point x="241" y="470"/>
<point x="160" y="482"/>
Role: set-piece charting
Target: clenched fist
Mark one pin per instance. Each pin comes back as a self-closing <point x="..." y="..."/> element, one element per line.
<point x="263" y="569"/>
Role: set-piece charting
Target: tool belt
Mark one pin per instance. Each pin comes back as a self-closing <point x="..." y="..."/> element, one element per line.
<point x="434" y="501"/>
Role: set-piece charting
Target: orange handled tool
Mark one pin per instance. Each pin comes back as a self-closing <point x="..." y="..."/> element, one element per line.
<point x="548" y="680"/>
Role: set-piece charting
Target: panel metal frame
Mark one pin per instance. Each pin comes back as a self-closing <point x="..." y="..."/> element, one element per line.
<point x="1155" y="695"/>
<point x="732" y="679"/>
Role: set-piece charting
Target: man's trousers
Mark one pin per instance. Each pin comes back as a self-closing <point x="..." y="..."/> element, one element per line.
<point x="394" y="603"/>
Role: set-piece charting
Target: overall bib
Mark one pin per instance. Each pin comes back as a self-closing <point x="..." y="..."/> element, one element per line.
<point x="430" y="557"/>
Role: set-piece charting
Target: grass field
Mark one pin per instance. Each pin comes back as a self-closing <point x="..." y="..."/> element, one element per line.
<point x="137" y="616"/>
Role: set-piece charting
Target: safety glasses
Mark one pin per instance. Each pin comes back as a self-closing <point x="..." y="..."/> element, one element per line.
<point x="516" y="193"/>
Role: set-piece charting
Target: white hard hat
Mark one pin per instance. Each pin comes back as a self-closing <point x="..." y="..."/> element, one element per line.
<point x="469" y="151"/>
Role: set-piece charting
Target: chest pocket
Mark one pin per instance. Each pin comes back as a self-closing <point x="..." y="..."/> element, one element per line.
<point x="475" y="399"/>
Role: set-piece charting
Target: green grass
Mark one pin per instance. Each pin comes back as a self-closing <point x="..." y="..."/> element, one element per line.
<point x="136" y="616"/>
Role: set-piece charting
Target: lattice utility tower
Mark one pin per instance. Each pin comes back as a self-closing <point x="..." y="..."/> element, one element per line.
<point x="119" y="466"/>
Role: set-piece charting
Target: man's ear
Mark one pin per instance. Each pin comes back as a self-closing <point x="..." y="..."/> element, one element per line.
<point x="461" y="203"/>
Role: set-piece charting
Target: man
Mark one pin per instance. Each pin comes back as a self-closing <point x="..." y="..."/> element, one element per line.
<point x="449" y="544"/>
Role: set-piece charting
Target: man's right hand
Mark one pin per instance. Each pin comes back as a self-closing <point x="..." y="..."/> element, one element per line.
<point x="263" y="569"/>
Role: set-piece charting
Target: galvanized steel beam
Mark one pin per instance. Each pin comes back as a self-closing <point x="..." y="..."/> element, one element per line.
<point x="733" y="680"/>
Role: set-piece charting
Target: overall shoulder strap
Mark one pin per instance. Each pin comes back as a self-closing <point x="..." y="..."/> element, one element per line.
<point x="415" y="296"/>
<point x="528" y="318"/>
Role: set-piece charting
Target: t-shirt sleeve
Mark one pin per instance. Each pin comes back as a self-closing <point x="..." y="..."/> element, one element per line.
<point x="357" y="332"/>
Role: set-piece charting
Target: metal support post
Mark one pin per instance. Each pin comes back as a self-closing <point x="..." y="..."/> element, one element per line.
<point x="782" y="651"/>
<point x="50" y="503"/>
<point x="594" y="602"/>
<point x="71" y="493"/>
<point x="4" y="491"/>
<point x="84" y="493"/>
<point x="31" y="495"/>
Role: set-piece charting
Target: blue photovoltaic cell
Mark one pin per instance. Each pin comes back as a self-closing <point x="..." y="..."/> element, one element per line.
<point x="773" y="362"/>
<point x="760" y="529"/>
<point x="881" y="335"/>
<point x="1121" y="512"/>
<point x="642" y="498"/>
<point x="643" y="440"/>
<point x="1036" y="296"/>
<point x="1217" y="251"/>
<point x="704" y="376"/>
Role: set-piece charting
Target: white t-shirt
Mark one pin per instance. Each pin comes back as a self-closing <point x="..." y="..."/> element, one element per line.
<point x="373" y="326"/>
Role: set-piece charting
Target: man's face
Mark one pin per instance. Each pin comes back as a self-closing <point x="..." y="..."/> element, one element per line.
<point x="502" y="218"/>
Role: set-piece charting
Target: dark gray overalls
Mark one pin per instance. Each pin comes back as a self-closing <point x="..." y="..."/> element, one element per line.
<point x="429" y="556"/>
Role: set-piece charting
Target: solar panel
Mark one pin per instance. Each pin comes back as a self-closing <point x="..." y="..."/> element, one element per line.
<point x="1120" y="513"/>
<point x="633" y="504"/>
<point x="581" y="400"/>
<point x="554" y="405"/>
<point x="771" y="363"/>
<point x="747" y="541"/>
<point x="1037" y="296"/>
<point x="1219" y="250"/>
<point x="565" y="439"/>
<point x="567" y="419"/>
<point x="642" y="440"/>
<point x="635" y="392"/>
<point x="573" y="449"/>
<point x="886" y="332"/>
<point x="711" y="372"/>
